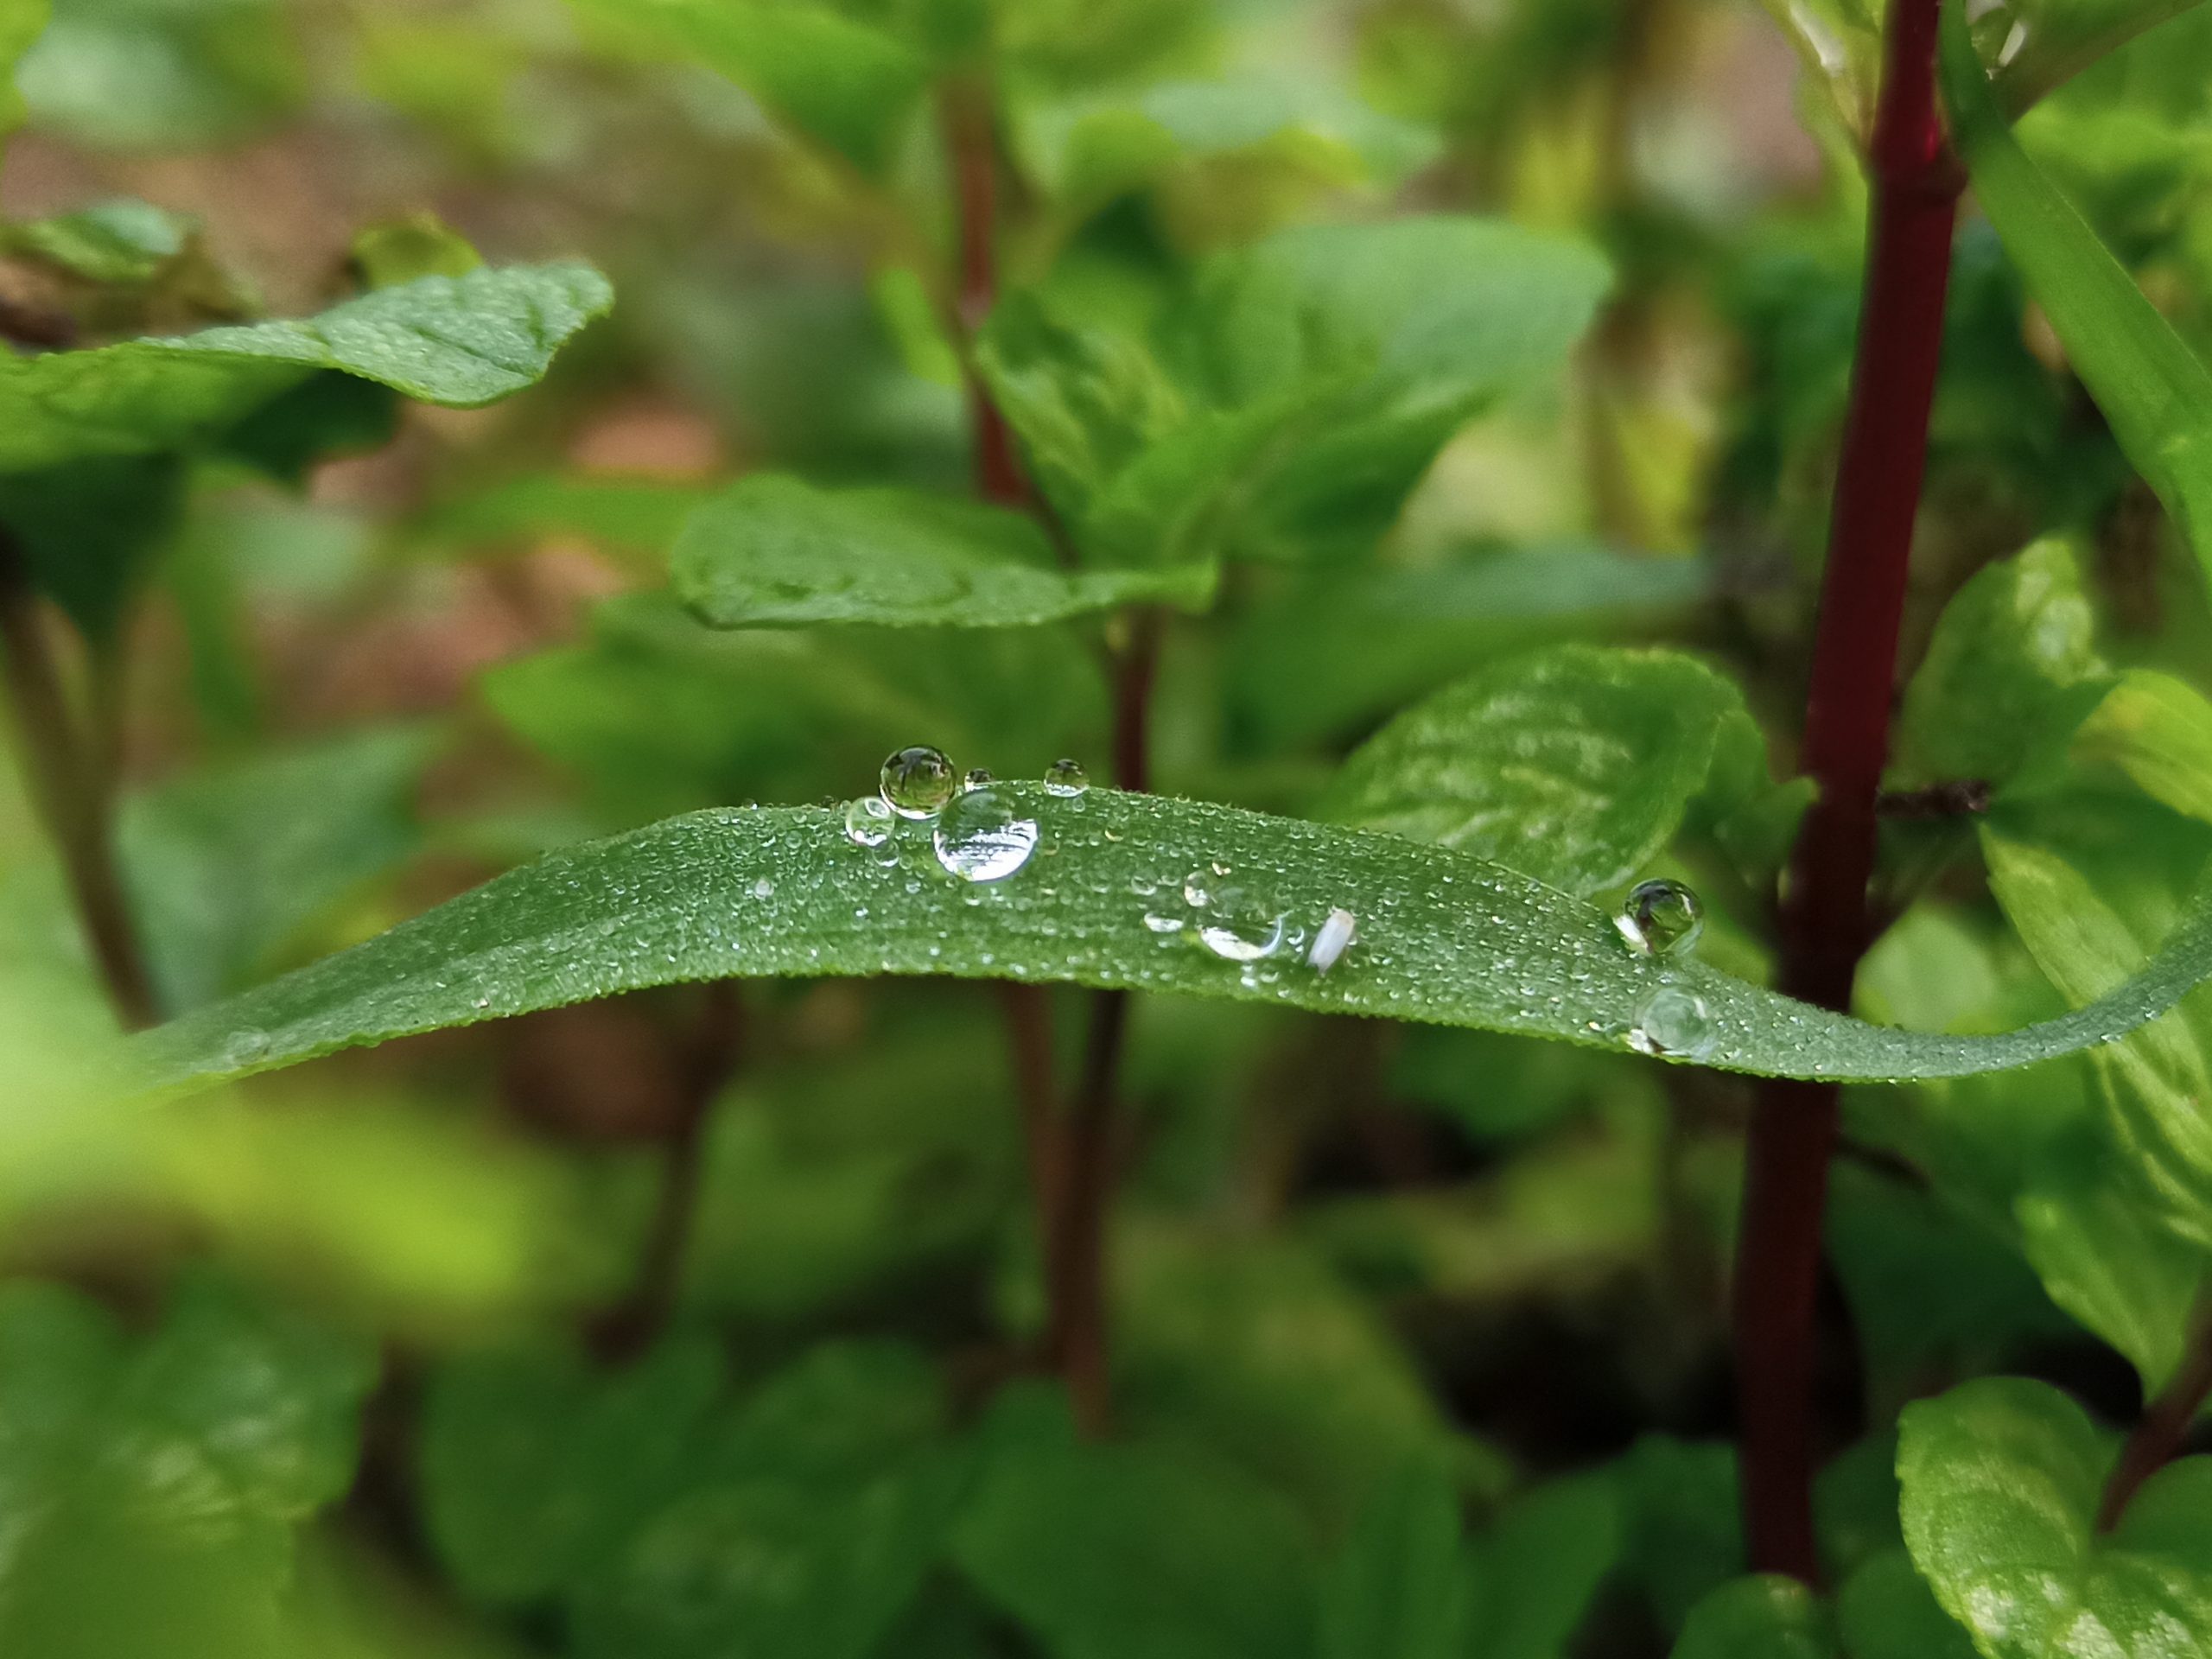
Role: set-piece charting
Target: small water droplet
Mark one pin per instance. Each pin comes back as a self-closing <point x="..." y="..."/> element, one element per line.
<point x="764" y="888"/>
<point x="868" y="821"/>
<point x="1242" y="925"/>
<point x="245" y="1046"/>
<point x="1159" y="924"/>
<point x="918" y="782"/>
<point x="1661" y="918"/>
<point x="977" y="777"/>
<point x="1673" y="1021"/>
<point x="981" y="838"/>
<point x="1333" y="938"/>
<point x="1067" y="777"/>
<point x="1198" y="889"/>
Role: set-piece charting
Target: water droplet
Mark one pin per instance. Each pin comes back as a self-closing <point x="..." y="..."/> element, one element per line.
<point x="981" y="838"/>
<point x="764" y="888"/>
<point x="1159" y="924"/>
<point x="1332" y="940"/>
<point x="918" y="782"/>
<point x="1198" y="889"/>
<point x="868" y="821"/>
<point x="977" y="777"/>
<point x="1673" y="1021"/>
<point x="1661" y="918"/>
<point x="1067" y="777"/>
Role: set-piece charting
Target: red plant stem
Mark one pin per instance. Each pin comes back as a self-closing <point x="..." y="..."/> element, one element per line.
<point x="70" y="780"/>
<point x="1824" y="924"/>
<point x="2163" y="1427"/>
<point x="972" y="147"/>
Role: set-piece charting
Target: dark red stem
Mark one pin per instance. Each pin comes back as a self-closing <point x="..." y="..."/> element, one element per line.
<point x="972" y="151"/>
<point x="1824" y="924"/>
<point x="2162" y="1429"/>
<point x="70" y="773"/>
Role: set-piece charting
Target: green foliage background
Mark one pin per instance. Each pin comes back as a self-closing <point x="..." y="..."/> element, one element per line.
<point x="487" y="428"/>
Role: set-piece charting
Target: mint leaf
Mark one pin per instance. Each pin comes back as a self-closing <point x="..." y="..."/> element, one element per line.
<point x="461" y="341"/>
<point x="2001" y="1480"/>
<point x="1539" y="1567"/>
<point x="1575" y="765"/>
<point x="775" y="552"/>
<point x="1885" y="1611"/>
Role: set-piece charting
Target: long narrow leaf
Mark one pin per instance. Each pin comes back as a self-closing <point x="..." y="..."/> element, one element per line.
<point x="1441" y="937"/>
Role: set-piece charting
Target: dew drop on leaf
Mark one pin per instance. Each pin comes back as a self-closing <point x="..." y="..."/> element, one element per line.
<point x="977" y="777"/>
<point x="981" y="838"/>
<point x="1673" y="1021"/>
<point x="918" y="782"/>
<point x="1067" y="777"/>
<point x="764" y="888"/>
<point x="868" y="821"/>
<point x="1661" y="918"/>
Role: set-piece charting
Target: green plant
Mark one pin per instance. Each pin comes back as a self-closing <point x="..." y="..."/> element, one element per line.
<point x="1146" y="1306"/>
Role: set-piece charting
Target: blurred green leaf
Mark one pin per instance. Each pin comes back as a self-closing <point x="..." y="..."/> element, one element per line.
<point x="403" y="250"/>
<point x="1539" y="1566"/>
<point x="2002" y="1479"/>
<point x="1683" y="1531"/>
<point x="462" y="342"/>
<point x="227" y="866"/>
<point x="1341" y="648"/>
<point x="159" y="74"/>
<point x="156" y="1486"/>
<point x="1574" y="765"/>
<point x="1297" y="395"/>
<point x="1840" y="42"/>
<point x="1885" y="1610"/>
<point x="1398" y="1588"/>
<point x="2155" y="391"/>
<point x="121" y="241"/>
<point x="22" y="22"/>
<point x="2038" y="44"/>
<point x="89" y="528"/>
<point x="785" y="892"/>
<point x="1768" y="1617"/>
<point x="1132" y="1547"/>
<point x="2009" y="645"/>
<point x="774" y="552"/>
<point x="838" y="81"/>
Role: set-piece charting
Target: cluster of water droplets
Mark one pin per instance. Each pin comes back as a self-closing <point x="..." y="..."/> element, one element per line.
<point x="1664" y="919"/>
<point x="976" y="831"/>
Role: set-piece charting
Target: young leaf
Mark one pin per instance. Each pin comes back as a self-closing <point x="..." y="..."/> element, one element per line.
<point x="2039" y="44"/>
<point x="775" y="552"/>
<point x="1574" y="765"/>
<point x="461" y="341"/>
<point x="838" y="81"/>
<point x="2001" y="1480"/>
<point x="20" y="22"/>
<point x="1444" y="936"/>
<point x="1764" y="1617"/>
<point x="1538" y="1568"/>
<point x="2155" y="391"/>
<point x="1399" y="1587"/>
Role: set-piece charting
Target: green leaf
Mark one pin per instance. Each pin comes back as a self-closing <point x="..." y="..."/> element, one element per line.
<point x="1538" y="1568"/>
<point x="1398" y="1589"/>
<point x="1131" y="1546"/>
<point x="163" y="74"/>
<point x="2038" y="45"/>
<point x="1296" y="397"/>
<point x="124" y="241"/>
<point x="1682" y="1530"/>
<point x="154" y="1487"/>
<point x="1443" y="938"/>
<point x="1767" y="1616"/>
<point x="775" y="552"/>
<point x="838" y="82"/>
<point x="1390" y="634"/>
<point x="2001" y="1480"/>
<point x="1574" y="765"/>
<point x="2153" y="389"/>
<point x="1840" y="42"/>
<point x="228" y="866"/>
<point x="89" y="530"/>
<point x="20" y="22"/>
<point x="1886" y="1610"/>
<point x="2009" y="645"/>
<point x="460" y="342"/>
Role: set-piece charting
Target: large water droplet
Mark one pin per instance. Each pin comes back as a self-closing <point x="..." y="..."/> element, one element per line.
<point x="1673" y="1021"/>
<point x="1067" y="777"/>
<point x="918" y="782"/>
<point x="1661" y="918"/>
<point x="868" y="821"/>
<point x="981" y="838"/>
<point x="1239" y="924"/>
